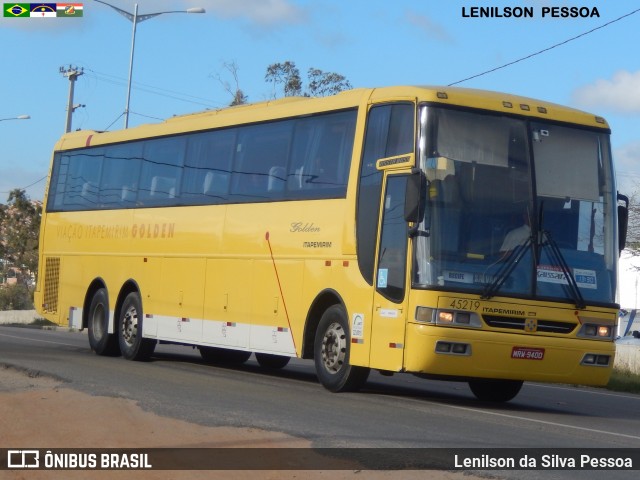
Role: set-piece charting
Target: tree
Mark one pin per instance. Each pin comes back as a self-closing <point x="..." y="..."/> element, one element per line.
<point x="286" y="74"/>
<point x="19" y="232"/>
<point x="320" y="83"/>
<point x="238" y="96"/>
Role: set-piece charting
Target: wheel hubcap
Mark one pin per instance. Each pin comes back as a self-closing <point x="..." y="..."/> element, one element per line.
<point x="334" y="348"/>
<point x="130" y="325"/>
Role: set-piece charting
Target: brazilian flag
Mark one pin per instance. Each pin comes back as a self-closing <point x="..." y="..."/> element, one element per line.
<point x="17" y="9"/>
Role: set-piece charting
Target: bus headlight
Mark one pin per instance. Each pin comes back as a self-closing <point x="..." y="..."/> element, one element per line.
<point x="448" y="317"/>
<point x="596" y="332"/>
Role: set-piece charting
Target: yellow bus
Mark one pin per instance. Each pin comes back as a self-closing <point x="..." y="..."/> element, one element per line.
<point x="446" y="232"/>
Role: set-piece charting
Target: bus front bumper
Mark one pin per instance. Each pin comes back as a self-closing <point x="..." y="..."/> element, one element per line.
<point x="469" y="353"/>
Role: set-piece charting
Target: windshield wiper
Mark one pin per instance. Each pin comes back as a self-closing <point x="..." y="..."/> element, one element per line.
<point x="510" y="263"/>
<point x="545" y="239"/>
<point x="556" y="255"/>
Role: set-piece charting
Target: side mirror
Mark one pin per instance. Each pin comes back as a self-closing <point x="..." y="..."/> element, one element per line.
<point x="623" y="222"/>
<point x="415" y="197"/>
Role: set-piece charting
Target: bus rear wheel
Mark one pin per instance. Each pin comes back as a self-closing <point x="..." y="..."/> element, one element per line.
<point x="132" y="345"/>
<point x="274" y="362"/>
<point x="223" y="355"/>
<point x="495" y="390"/>
<point x="331" y="353"/>
<point x="100" y="340"/>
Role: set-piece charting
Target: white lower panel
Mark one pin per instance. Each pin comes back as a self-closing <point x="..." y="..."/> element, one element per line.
<point x="272" y="339"/>
<point x="239" y="336"/>
<point x="75" y="318"/>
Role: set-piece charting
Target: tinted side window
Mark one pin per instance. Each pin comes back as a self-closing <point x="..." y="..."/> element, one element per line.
<point x="83" y="180"/>
<point x="261" y="152"/>
<point x="207" y="167"/>
<point x="161" y="171"/>
<point x="321" y="156"/>
<point x="392" y="259"/>
<point x="390" y="131"/>
<point x="119" y="182"/>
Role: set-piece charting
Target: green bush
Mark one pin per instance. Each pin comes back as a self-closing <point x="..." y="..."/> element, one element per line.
<point x="16" y="297"/>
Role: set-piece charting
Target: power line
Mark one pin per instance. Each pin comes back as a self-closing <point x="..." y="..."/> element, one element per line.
<point x="30" y="185"/>
<point x="546" y="49"/>
<point x="115" y="80"/>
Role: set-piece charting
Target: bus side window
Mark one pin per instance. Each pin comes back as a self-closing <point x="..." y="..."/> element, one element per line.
<point x="207" y="166"/>
<point x="161" y="170"/>
<point x="321" y="156"/>
<point x="121" y="168"/>
<point x="390" y="131"/>
<point x="259" y="149"/>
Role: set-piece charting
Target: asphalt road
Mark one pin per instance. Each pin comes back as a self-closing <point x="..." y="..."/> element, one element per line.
<point x="399" y="411"/>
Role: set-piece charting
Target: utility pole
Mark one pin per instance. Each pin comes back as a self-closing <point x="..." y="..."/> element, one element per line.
<point x="72" y="73"/>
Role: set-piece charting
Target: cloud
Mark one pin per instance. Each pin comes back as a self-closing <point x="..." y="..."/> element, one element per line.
<point x="432" y="29"/>
<point x="620" y="94"/>
<point x="263" y="13"/>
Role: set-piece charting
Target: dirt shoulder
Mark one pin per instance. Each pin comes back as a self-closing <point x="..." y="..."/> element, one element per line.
<point x="40" y="412"/>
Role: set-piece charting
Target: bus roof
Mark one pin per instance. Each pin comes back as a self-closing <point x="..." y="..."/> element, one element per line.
<point x="297" y="106"/>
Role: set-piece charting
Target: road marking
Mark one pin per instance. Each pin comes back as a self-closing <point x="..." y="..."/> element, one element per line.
<point x="533" y="420"/>
<point x="37" y="340"/>
<point x="585" y="390"/>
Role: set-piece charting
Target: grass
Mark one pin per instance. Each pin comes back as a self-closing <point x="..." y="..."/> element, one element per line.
<point x="624" y="381"/>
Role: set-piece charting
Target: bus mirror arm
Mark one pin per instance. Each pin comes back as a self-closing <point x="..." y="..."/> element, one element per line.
<point x="415" y="197"/>
<point x="623" y="222"/>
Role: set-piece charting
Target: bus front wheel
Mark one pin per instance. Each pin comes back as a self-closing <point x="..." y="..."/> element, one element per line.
<point x="100" y="340"/>
<point x="331" y="353"/>
<point x="495" y="390"/>
<point x="132" y="345"/>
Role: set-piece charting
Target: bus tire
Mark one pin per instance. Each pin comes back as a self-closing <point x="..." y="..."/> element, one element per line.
<point x="100" y="340"/>
<point x="495" y="390"/>
<point x="132" y="345"/>
<point x="331" y="353"/>
<point x="274" y="362"/>
<point x="223" y="355"/>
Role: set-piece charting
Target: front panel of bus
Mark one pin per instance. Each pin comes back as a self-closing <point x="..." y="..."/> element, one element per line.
<point x="514" y="259"/>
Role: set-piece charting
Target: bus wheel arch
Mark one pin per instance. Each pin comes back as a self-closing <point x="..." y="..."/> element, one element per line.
<point x="322" y="302"/>
<point x="130" y="318"/>
<point x="332" y="347"/>
<point x="96" y="317"/>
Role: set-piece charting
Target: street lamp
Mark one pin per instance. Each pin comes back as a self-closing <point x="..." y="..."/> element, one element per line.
<point x="19" y="117"/>
<point x="134" y="18"/>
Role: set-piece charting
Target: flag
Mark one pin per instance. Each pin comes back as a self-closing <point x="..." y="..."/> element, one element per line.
<point x="16" y="9"/>
<point x="43" y="10"/>
<point x="70" y="9"/>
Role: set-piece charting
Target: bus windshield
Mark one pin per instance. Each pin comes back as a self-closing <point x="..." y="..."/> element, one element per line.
<point x="516" y="208"/>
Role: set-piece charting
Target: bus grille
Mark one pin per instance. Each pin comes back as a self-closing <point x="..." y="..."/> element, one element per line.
<point x="51" y="283"/>
<point x="547" y="326"/>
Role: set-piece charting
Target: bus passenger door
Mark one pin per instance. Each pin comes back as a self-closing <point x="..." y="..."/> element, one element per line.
<point x="390" y="296"/>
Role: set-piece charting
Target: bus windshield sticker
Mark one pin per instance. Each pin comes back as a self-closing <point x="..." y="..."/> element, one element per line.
<point x="551" y="274"/>
<point x="382" y="277"/>
<point x="460" y="277"/>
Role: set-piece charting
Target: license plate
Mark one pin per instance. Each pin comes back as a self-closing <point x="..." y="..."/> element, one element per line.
<point x="525" y="353"/>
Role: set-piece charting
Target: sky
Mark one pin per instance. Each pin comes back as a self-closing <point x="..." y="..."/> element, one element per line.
<point x="179" y="63"/>
<point x="590" y="63"/>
